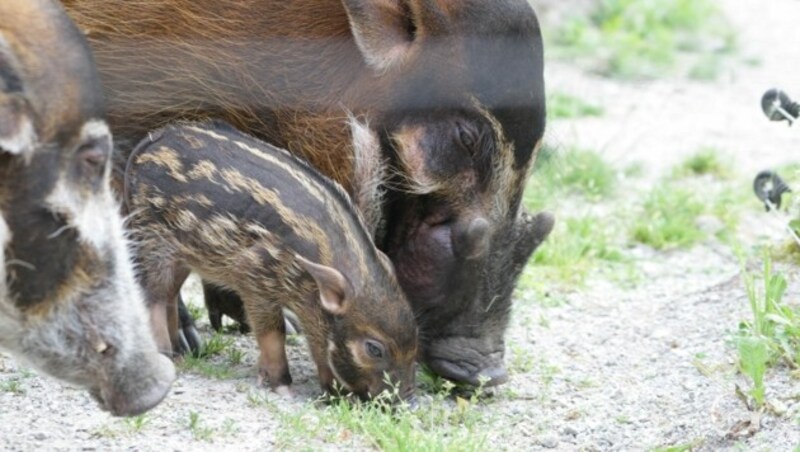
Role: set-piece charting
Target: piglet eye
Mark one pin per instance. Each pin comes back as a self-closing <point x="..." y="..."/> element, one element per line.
<point x="93" y="160"/>
<point x="93" y="156"/>
<point x="374" y="349"/>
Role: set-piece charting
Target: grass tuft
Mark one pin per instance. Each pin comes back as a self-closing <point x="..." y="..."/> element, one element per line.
<point x="669" y="218"/>
<point x="12" y="386"/>
<point x="773" y="334"/>
<point x="705" y="162"/>
<point x="558" y="174"/>
<point x="199" y="432"/>
<point x="576" y="246"/>
<point x="440" y="424"/>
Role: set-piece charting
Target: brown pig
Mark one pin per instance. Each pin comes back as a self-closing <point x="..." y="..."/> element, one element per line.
<point x="69" y="303"/>
<point x="252" y="218"/>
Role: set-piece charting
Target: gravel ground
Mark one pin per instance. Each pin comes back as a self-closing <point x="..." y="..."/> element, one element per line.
<point x="613" y="368"/>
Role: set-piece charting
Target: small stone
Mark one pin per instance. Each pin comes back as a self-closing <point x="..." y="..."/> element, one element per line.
<point x="39" y="436"/>
<point x="778" y="407"/>
<point x="569" y="431"/>
<point x="548" y="441"/>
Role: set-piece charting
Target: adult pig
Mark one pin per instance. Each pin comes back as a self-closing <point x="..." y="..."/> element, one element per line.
<point x="69" y="305"/>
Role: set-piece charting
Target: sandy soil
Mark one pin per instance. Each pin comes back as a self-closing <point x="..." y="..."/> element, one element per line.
<point x="614" y="368"/>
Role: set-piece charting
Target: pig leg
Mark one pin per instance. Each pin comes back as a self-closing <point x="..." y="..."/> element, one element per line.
<point x="319" y="353"/>
<point x="270" y="332"/>
<point x="179" y="347"/>
<point x="189" y="336"/>
<point x="213" y="299"/>
<point x="160" y="282"/>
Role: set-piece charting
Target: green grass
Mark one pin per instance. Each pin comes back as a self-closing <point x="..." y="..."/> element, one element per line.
<point x="234" y="356"/>
<point x="564" y="106"/>
<point x="521" y="359"/>
<point x="573" y="171"/>
<point x="205" y="363"/>
<point x="445" y="423"/>
<point x="669" y="218"/>
<point x="705" y="162"/>
<point x="12" y="385"/>
<point x="576" y="246"/>
<point x="137" y="423"/>
<point x="215" y="346"/>
<point x="580" y="242"/>
<point x="208" y="369"/>
<point x="199" y="431"/>
<point x="773" y="333"/>
<point x="197" y="312"/>
<point x="645" y="38"/>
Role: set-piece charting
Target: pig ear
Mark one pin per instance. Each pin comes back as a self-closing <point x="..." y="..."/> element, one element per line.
<point x="385" y="261"/>
<point x="334" y="289"/>
<point x="530" y="232"/>
<point x="17" y="134"/>
<point x="385" y="30"/>
<point x="369" y="174"/>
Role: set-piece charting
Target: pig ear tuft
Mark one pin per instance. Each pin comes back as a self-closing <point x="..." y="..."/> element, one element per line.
<point x="384" y="30"/>
<point x="369" y="175"/>
<point x="334" y="288"/>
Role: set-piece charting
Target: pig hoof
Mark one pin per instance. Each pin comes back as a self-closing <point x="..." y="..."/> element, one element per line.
<point x="284" y="392"/>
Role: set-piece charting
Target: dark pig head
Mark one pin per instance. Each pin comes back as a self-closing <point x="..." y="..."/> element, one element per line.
<point x="69" y="304"/>
<point x="466" y="115"/>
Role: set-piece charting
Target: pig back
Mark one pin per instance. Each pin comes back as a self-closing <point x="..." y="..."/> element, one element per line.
<point x="206" y="179"/>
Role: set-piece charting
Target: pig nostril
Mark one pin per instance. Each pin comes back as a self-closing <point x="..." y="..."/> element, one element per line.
<point x="473" y="238"/>
<point x="104" y="349"/>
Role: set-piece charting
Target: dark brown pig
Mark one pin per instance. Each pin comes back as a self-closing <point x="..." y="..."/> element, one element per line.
<point x="221" y="302"/>
<point x="69" y="304"/>
<point x="455" y="91"/>
<point x="253" y="218"/>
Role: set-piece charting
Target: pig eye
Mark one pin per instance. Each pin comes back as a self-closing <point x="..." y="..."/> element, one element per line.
<point x="374" y="349"/>
<point x="466" y="136"/>
<point x="92" y="159"/>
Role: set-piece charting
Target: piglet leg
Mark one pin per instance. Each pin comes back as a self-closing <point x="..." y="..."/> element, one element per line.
<point x="270" y="331"/>
<point x="319" y="353"/>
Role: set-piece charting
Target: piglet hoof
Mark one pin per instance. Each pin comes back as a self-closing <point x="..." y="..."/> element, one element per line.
<point x="190" y="337"/>
<point x="284" y="392"/>
<point x="262" y="379"/>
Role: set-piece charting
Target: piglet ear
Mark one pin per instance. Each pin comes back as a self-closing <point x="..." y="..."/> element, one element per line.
<point x="334" y="288"/>
<point x="17" y="134"/>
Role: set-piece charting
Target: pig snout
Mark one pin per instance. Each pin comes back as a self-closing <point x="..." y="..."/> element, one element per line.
<point x="462" y="360"/>
<point x="136" y="386"/>
<point x="471" y="238"/>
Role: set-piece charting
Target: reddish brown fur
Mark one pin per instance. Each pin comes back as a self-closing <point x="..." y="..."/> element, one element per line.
<point x="180" y="74"/>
